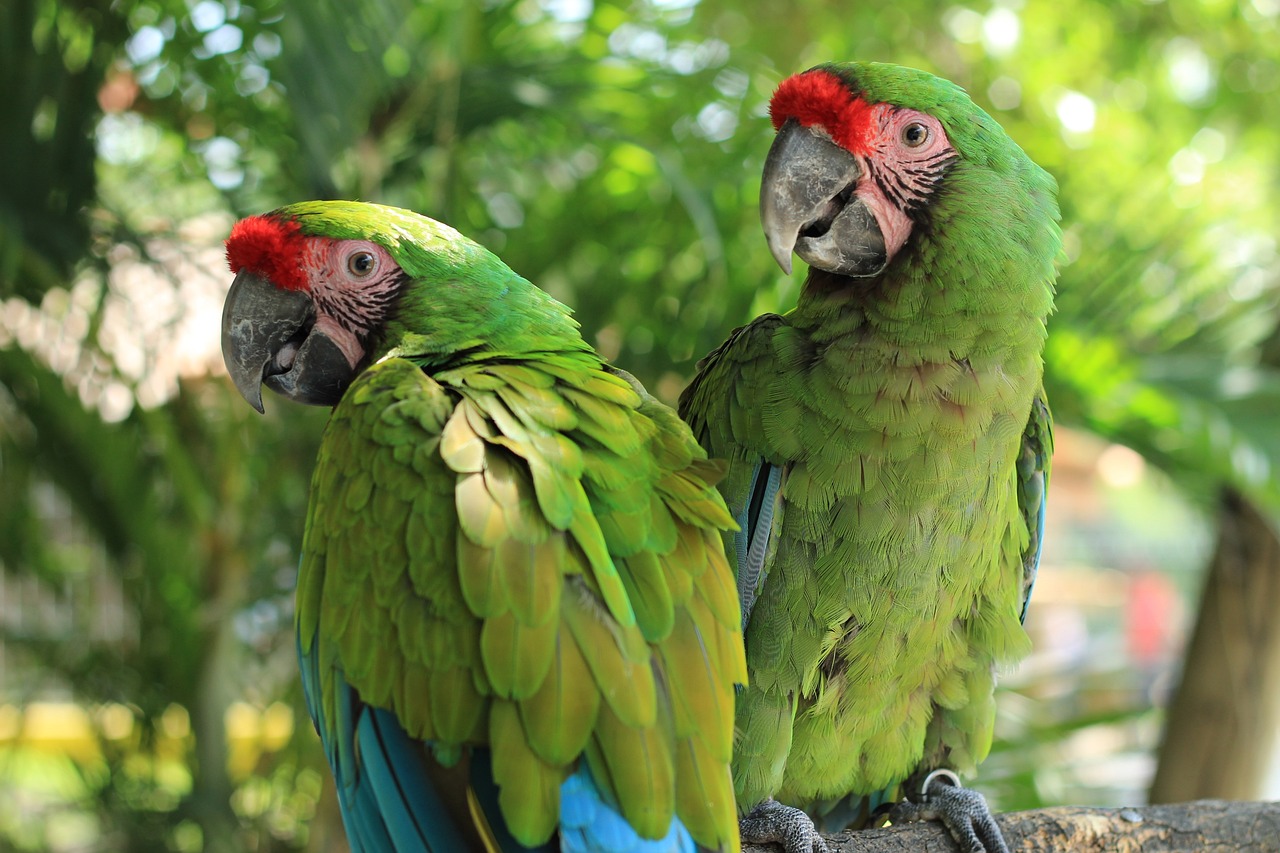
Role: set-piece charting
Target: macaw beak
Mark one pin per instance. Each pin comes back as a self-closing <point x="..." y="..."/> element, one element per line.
<point x="268" y="337"/>
<point x="808" y="204"/>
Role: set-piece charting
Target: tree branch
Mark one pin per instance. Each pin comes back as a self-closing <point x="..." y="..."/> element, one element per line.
<point x="1206" y="825"/>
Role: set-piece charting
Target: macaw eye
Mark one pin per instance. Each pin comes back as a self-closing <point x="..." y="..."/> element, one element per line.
<point x="362" y="264"/>
<point x="915" y="134"/>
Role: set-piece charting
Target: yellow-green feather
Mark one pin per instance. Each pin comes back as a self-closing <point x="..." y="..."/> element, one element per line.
<point x="437" y="582"/>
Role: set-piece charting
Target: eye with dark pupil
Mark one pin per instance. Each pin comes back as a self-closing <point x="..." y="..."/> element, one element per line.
<point x="361" y="263"/>
<point x="915" y="135"/>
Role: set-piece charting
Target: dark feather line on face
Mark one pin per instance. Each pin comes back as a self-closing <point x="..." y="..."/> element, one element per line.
<point x="941" y="169"/>
<point x="932" y="164"/>
<point x="932" y="179"/>
<point x="363" y="311"/>
<point x="884" y="179"/>
<point x="343" y="314"/>
<point x="389" y="300"/>
<point x="911" y="187"/>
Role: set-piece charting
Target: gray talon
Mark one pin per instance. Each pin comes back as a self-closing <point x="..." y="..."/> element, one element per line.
<point x="772" y="822"/>
<point x="962" y="810"/>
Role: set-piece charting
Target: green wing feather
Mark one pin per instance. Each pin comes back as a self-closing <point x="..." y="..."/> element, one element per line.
<point x="527" y="555"/>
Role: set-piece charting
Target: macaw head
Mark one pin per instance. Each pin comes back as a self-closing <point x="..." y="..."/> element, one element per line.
<point x="324" y="288"/>
<point x="869" y="154"/>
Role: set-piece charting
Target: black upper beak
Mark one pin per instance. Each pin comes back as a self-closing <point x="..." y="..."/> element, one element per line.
<point x="808" y="205"/>
<point x="268" y="337"/>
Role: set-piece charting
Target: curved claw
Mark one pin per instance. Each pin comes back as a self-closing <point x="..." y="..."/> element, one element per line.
<point x="963" y="811"/>
<point x="772" y="822"/>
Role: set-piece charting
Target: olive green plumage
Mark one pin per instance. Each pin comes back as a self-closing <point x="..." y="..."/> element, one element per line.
<point x="899" y="408"/>
<point x="510" y="543"/>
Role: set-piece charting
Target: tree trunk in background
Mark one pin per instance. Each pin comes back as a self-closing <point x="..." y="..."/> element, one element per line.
<point x="1221" y="730"/>
<point x="225" y="576"/>
<point x="210" y="799"/>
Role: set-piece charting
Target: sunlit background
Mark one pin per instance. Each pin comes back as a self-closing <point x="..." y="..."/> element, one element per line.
<point x="609" y="151"/>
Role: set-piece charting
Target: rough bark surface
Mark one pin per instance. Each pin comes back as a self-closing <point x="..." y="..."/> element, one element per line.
<point x="1221" y="731"/>
<point x="1208" y="826"/>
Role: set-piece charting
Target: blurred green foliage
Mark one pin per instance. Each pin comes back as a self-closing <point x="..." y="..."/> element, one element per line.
<point x="610" y="152"/>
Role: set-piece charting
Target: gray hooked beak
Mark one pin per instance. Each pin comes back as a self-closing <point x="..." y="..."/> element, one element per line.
<point x="808" y="205"/>
<point x="267" y="338"/>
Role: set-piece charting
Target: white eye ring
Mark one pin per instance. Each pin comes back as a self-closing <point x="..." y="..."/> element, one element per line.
<point x="915" y="134"/>
<point x="362" y="264"/>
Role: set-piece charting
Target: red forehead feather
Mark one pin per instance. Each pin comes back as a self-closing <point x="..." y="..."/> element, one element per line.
<point x="270" y="247"/>
<point x="822" y="98"/>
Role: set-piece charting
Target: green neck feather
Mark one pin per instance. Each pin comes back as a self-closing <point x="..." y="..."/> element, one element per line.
<point x="476" y="310"/>
<point x="461" y="302"/>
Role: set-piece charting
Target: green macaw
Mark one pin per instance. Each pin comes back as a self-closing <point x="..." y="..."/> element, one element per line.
<point x="516" y="624"/>
<point x="889" y="446"/>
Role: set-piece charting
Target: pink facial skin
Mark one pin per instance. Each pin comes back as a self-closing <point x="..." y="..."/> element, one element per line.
<point x="352" y="282"/>
<point x="900" y="175"/>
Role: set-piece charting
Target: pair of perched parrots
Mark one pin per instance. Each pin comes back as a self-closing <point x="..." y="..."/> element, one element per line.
<point x="525" y="583"/>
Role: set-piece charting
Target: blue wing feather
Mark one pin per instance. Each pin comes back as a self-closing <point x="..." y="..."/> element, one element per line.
<point x="389" y="803"/>
<point x="412" y="813"/>
<point x="384" y="794"/>
<point x="755" y="529"/>
<point x="588" y="824"/>
<point x="1033" y="490"/>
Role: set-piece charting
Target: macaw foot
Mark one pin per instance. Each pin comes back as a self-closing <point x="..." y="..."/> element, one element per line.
<point x="963" y="811"/>
<point x="771" y="821"/>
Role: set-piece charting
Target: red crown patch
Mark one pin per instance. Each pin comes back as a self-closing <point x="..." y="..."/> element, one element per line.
<point x="822" y="98"/>
<point x="272" y="248"/>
